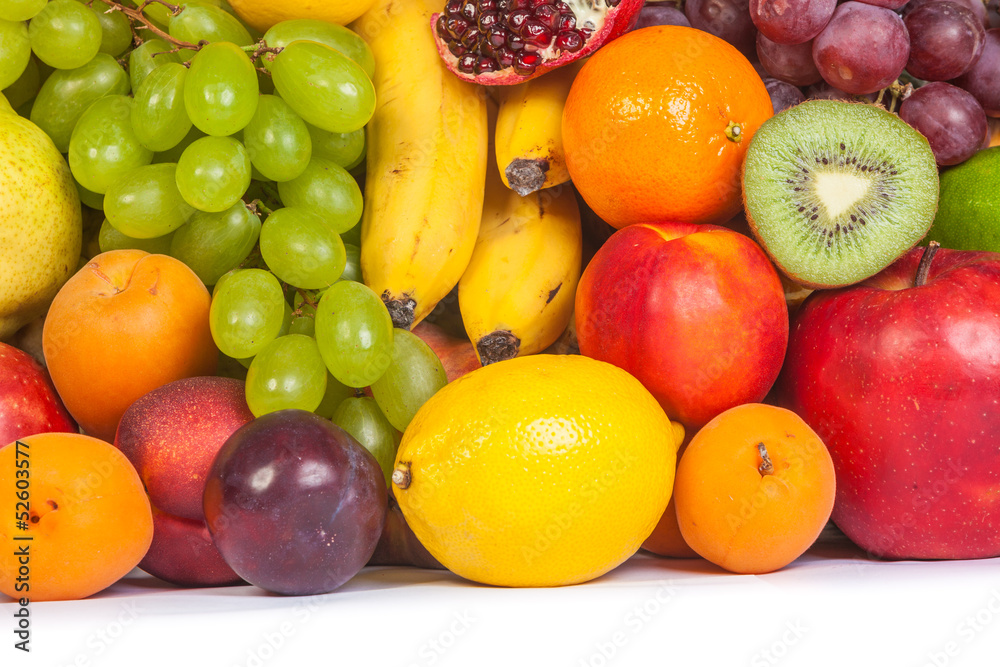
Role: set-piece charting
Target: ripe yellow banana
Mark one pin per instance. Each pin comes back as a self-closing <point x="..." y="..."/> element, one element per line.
<point x="529" y="147"/>
<point x="517" y="294"/>
<point x="427" y="155"/>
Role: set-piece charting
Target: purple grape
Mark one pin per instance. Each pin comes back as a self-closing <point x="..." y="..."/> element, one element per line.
<point x="783" y="95"/>
<point x="791" y="21"/>
<point x="824" y="91"/>
<point x="789" y="62"/>
<point x="950" y="118"/>
<point x="945" y="39"/>
<point x="727" y="19"/>
<point x="983" y="78"/>
<point x="661" y="14"/>
<point x="977" y="8"/>
<point x="887" y="4"/>
<point x="294" y="504"/>
<point x="862" y="49"/>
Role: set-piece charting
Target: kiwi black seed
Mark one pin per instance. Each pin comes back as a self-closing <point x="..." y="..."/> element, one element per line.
<point x="836" y="191"/>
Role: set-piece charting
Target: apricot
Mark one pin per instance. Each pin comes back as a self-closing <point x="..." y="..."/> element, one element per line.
<point x="754" y="489"/>
<point x="123" y="325"/>
<point x="86" y="517"/>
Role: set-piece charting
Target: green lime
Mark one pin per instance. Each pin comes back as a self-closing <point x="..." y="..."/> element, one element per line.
<point x="968" y="216"/>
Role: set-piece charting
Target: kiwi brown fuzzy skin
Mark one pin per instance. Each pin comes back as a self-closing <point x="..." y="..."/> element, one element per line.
<point x="918" y="145"/>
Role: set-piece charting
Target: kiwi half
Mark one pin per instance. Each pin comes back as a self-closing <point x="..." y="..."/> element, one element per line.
<point x="836" y="191"/>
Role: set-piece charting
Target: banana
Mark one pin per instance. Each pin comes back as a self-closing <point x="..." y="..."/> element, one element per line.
<point x="518" y="292"/>
<point x="529" y="148"/>
<point x="427" y="155"/>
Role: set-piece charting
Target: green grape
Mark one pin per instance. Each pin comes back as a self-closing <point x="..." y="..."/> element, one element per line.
<point x="288" y="373"/>
<point x="146" y="57"/>
<point x="5" y="106"/>
<point x="345" y="148"/>
<point x="220" y="93"/>
<point x="327" y="189"/>
<point x="247" y="312"/>
<point x="212" y="244"/>
<point x="116" y="31"/>
<point x="15" y="51"/>
<point x="361" y="417"/>
<point x="325" y="87"/>
<point x="301" y="249"/>
<point x="110" y="238"/>
<point x="353" y="235"/>
<point x="20" y="10"/>
<point x="414" y="375"/>
<point x="301" y="324"/>
<point x="91" y="199"/>
<point x="198" y="21"/>
<point x="65" y="34"/>
<point x="277" y="140"/>
<point x="103" y="147"/>
<point x="174" y="154"/>
<point x="304" y="313"/>
<point x="286" y="320"/>
<point x="352" y="267"/>
<point x="336" y="393"/>
<point x="145" y="203"/>
<point x="26" y="86"/>
<point x="67" y="93"/>
<point x="213" y="173"/>
<point x="335" y="36"/>
<point x="354" y="333"/>
<point x="158" y="115"/>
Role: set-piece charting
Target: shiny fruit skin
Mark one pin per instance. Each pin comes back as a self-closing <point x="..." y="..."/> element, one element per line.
<point x="182" y="553"/>
<point x="29" y="403"/>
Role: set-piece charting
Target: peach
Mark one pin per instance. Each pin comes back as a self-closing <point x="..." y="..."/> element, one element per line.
<point x="124" y="324"/>
<point x="184" y="554"/>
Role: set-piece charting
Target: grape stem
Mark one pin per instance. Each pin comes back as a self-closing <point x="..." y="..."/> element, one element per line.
<point x="257" y="207"/>
<point x="135" y="15"/>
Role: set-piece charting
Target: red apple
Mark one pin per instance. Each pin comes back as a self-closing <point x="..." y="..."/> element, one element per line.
<point x="183" y="553"/>
<point x="900" y="377"/>
<point x="695" y="312"/>
<point x="457" y="355"/>
<point x="28" y="401"/>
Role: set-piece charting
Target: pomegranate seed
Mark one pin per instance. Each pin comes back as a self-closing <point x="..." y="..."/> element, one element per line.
<point x="484" y="47"/>
<point x="496" y="36"/>
<point x="506" y="6"/>
<point x="514" y="42"/>
<point x="487" y="5"/>
<point x="505" y="57"/>
<point x="453" y="7"/>
<point x="521" y="4"/>
<point x="457" y="49"/>
<point x="536" y="34"/>
<point x="467" y="63"/>
<point x="457" y="27"/>
<point x="613" y="3"/>
<point x="485" y="65"/>
<point x="442" y="27"/>
<point x="569" y="40"/>
<point x="487" y="20"/>
<point x="470" y="38"/>
<point x="548" y="15"/>
<point x="525" y="62"/>
<point x="516" y="19"/>
<point x="535" y="4"/>
<point x="563" y="8"/>
<point x="566" y="22"/>
<point x="470" y="11"/>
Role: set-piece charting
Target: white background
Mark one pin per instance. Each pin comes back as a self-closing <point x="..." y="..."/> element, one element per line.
<point x="833" y="606"/>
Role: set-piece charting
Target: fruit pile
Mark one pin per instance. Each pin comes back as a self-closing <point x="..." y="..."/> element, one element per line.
<point x="509" y="287"/>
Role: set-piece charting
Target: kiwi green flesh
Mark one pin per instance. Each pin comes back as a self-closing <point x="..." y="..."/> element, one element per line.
<point x="836" y="191"/>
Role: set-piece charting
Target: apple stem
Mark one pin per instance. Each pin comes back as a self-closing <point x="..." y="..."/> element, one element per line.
<point x="924" y="268"/>
<point x="401" y="476"/>
<point x="765" y="467"/>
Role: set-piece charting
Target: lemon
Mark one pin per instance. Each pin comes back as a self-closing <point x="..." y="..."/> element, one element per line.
<point x="542" y="470"/>
<point x="968" y="216"/>
<point x="262" y="14"/>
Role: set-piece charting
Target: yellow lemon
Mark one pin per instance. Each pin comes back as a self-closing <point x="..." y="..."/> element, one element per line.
<point x="262" y="14"/>
<point x="542" y="470"/>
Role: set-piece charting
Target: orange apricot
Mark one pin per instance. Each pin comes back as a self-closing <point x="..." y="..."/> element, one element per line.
<point x="123" y="325"/>
<point x="754" y="489"/>
<point x="87" y="520"/>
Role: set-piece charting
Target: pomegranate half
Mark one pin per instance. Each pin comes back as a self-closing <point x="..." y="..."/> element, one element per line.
<point x="506" y="42"/>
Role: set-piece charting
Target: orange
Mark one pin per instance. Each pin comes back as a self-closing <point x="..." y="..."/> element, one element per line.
<point x="666" y="539"/>
<point x="543" y="470"/>
<point x="754" y="488"/>
<point x="88" y="518"/>
<point x="656" y="126"/>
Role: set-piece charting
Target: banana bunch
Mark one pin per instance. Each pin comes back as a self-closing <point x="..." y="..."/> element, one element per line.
<point x="517" y="294"/>
<point x="529" y="148"/>
<point x="427" y="155"/>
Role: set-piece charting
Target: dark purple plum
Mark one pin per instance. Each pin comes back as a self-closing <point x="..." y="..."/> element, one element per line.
<point x="294" y="504"/>
<point x="945" y="40"/>
<point x="661" y="13"/>
<point x="728" y="19"/>
<point x="399" y="545"/>
<point x="950" y="118"/>
<point x="783" y="95"/>
<point x="789" y="62"/>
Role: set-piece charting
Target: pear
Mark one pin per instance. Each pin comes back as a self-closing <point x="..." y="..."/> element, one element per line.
<point x="40" y="222"/>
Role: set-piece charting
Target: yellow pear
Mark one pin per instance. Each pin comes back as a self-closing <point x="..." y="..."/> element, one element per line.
<point x="40" y="222"/>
